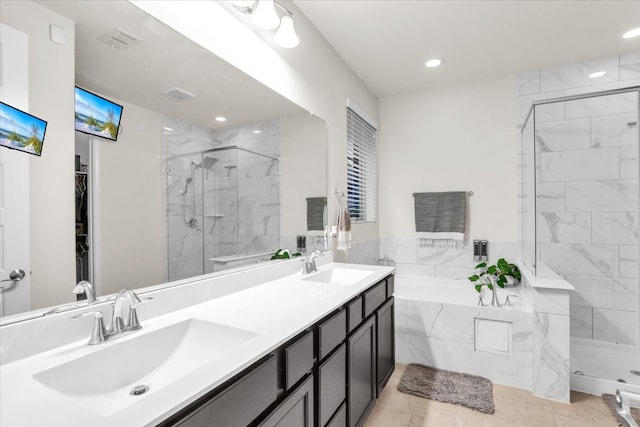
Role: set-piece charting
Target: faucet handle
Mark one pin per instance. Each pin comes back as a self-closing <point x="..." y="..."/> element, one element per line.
<point x="98" y="332"/>
<point x="508" y="302"/>
<point x="134" y="323"/>
<point x="480" y="301"/>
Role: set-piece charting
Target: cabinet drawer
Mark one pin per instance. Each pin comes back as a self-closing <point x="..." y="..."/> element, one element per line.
<point x="296" y="410"/>
<point x="332" y="377"/>
<point x="390" y="286"/>
<point x="241" y="402"/>
<point x="331" y="333"/>
<point x="340" y="418"/>
<point x="354" y="310"/>
<point x="298" y="359"/>
<point x="374" y="297"/>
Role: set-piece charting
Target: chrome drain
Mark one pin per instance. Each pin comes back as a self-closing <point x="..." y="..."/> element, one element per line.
<point x="138" y="390"/>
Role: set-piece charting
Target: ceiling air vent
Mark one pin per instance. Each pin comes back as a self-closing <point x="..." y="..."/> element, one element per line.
<point x="177" y="94"/>
<point x="120" y="39"/>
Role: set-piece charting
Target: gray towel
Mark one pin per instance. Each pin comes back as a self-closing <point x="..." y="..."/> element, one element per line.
<point x="316" y="213"/>
<point x="441" y="212"/>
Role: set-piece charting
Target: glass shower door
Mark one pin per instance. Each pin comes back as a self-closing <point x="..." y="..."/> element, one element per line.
<point x="587" y="212"/>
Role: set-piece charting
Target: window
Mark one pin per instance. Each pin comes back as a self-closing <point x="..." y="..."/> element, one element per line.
<point x="361" y="168"/>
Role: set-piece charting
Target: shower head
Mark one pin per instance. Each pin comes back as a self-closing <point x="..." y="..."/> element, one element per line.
<point x="206" y="163"/>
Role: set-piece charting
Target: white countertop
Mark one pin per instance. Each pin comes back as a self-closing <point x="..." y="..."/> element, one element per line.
<point x="276" y="311"/>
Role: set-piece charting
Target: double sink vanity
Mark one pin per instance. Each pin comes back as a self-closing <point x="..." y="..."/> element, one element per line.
<point x="265" y="346"/>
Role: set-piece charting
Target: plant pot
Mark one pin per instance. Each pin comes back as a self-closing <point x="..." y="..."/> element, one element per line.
<point x="512" y="282"/>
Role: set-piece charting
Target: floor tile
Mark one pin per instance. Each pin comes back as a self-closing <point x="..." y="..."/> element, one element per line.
<point x="514" y="407"/>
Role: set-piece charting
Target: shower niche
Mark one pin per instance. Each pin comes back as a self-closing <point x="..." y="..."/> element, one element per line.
<point x="580" y="204"/>
<point x="223" y="210"/>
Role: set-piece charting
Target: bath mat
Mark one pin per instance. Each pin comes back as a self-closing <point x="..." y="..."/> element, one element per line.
<point x="466" y="390"/>
<point x="610" y="400"/>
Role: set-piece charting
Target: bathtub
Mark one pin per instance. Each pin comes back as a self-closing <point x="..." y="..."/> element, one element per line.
<point x="447" y="291"/>
<point x="439" y="324"/>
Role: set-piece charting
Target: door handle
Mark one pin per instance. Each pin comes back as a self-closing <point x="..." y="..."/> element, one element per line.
<point x="15" y="276"/>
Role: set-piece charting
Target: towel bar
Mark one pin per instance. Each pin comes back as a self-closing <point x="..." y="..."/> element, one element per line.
<point x="470" y="193"/>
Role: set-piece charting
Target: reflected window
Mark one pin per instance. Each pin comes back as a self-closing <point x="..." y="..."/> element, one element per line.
<point x="361" y="168"/>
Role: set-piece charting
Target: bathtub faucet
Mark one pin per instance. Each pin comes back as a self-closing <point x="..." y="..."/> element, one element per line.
<point x="494" y="299"/>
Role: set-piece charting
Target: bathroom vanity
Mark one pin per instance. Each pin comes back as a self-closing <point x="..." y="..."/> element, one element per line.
<point x="296" y="350"/>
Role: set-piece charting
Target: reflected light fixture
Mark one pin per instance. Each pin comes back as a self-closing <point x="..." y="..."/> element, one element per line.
<point x="220" y="119"/>
<point x="263" y="15"/>
<point x="597" y="74"/>
<point x="434" y="62"/>
<point x="631" y="33"/>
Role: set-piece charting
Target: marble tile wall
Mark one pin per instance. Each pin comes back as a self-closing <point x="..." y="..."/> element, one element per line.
<point x="586" y="194"/>
<point x="442" y="336"/>
<point x="237" y="200"/>
<point x="415" y="259"/>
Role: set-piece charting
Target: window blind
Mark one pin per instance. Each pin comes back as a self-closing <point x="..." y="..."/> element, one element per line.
<point x="361" y="169"/>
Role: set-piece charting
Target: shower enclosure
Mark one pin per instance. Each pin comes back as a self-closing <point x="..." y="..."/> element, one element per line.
<point x="580" y="204"/>
<point x="222" y="208"/>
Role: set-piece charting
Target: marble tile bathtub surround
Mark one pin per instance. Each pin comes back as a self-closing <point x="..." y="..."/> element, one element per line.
<point x="413" y="258"/>
<point x="443" y="336"/>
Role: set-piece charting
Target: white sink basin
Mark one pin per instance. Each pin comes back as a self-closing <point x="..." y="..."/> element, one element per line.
<point x="154" y="359"/>
<point x="339" y="276"/>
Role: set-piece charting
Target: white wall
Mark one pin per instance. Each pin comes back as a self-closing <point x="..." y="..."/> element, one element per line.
<point x="51" y="81"/>
<point x="455" y="138"/>
<point x="303" y="169"/>
<point x="129" y="203"/>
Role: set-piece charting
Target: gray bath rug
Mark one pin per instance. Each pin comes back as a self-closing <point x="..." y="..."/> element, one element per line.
<point x="466" y="390"/>
<point x="610" y="400"/>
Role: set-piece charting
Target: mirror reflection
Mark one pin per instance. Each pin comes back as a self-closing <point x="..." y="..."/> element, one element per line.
<point x="211" y="170"/>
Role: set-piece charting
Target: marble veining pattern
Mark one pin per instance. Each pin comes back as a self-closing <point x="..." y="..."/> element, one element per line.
<point x="237" y="200"/>
<point x="588" y="219"/>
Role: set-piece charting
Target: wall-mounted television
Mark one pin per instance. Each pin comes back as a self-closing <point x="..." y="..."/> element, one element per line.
<point x="96" y="115"/>
<point x="20" y="130"/>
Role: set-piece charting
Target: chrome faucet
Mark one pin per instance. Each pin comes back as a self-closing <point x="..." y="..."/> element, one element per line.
<point x="119" y="325"/>
<point x="309" y="261"/>
<point x="84" y="287"/>
<point x="494" y="299"/>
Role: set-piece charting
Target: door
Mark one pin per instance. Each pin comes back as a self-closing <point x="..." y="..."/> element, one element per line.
<point x="14" y="178"/>
<point x="361" y="372"/>
<point x="385" y="344"/>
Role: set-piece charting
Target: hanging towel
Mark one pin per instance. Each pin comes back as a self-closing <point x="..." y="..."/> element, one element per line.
<point x="440" y="218"/>
<point x="344" y="228"/>
<point x="316" y="214"/>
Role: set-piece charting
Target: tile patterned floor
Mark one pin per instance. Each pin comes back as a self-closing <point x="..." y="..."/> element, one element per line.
<point x="514" y="407"/>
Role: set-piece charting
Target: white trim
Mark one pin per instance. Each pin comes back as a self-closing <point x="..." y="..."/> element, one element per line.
<point x="359" y="111"/>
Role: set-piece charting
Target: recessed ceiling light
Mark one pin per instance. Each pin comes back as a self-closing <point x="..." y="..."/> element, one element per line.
<point x="257" y="131"/>
<point x="221" y="119"/>
<point x="434" y="62"/>
<point x="597" y="74"/>
<point x="631" y="33"/>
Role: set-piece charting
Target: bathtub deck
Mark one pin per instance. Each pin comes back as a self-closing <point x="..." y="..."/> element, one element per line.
<point x="514" y="407"/>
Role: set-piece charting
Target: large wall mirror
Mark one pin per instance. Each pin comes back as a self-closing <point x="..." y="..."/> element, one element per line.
<point x="181" y="194"/>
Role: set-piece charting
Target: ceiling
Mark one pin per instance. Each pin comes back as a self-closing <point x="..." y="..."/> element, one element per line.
<point x="164" y="60"/>
<point x="387" y="42"/>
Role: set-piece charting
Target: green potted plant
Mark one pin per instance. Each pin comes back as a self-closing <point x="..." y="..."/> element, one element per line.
<point x="285" y="254"/>
<point x="503" y="272"/>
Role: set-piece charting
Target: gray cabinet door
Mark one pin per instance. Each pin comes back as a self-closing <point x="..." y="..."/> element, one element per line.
<point x="332" y="380"/>
<point x="296" y="410"/>
<point x="385" y="353"/>
<point x="361" y="372"/>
